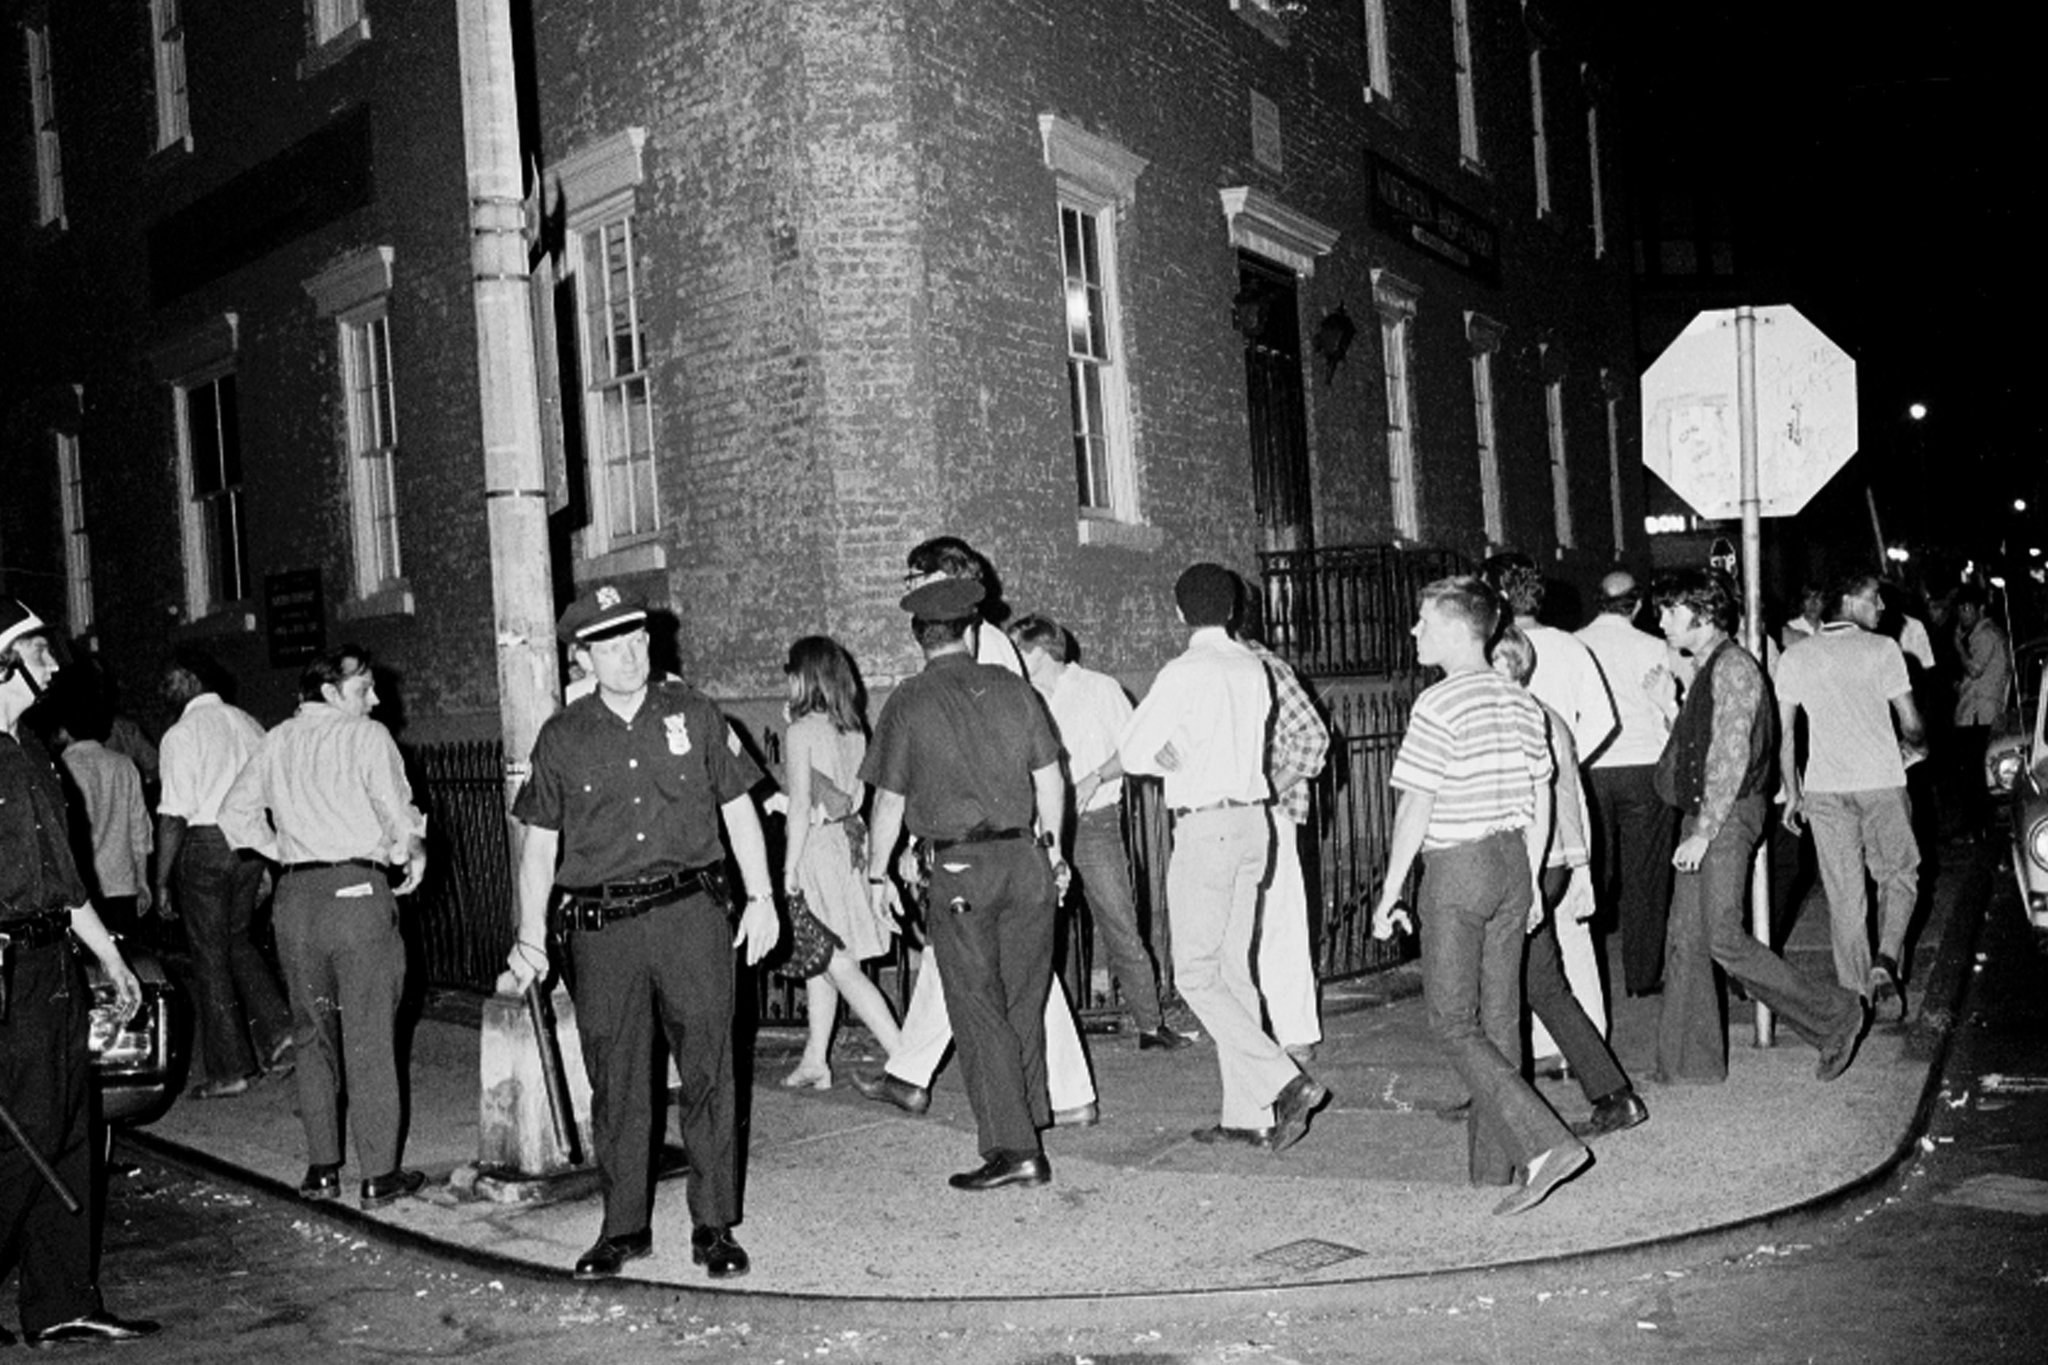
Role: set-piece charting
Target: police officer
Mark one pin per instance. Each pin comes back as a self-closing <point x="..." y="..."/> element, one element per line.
<point x="43" y="1003"/>
<point x="965" y="756"/>
<point x="630" y="785"/>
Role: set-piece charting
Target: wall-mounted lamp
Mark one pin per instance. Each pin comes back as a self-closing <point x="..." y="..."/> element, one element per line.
<point x="1333" y="338"/>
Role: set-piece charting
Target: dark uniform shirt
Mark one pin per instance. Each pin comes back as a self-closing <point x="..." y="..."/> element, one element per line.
<point x="635" y="798"/>
<point x="971" y="734"/>
<point x="37" y="871"/>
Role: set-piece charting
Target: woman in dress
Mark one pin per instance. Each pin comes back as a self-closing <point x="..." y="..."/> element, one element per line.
<point x="825" y="854"/>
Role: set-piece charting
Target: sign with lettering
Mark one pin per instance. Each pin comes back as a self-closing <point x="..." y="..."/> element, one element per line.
<point x="296" y="611"/>
<point x="1406" y="208"/>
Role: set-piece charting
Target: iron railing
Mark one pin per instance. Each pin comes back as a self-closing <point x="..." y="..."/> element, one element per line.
<point x="1346" y="609"/>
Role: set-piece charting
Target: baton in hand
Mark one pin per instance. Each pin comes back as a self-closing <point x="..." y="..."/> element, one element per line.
<point x="551" y="1077"/>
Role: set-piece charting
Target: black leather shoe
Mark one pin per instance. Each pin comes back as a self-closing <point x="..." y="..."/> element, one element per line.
<point x="602" y="1261"/>
<point x="911" y="1099"/>
<point x="1000" y="1170"/>
<point x="1297" y="1100"/>
<point x="1622" y="1109"/>
<point x="718" y="1253"/>
<point x="1163" y="1038"/>
<point x="323" y="1181"/>
<point x="1836" y="1056"/>
<point x="1259" y="1138"/>
<point x="95" y="1327"/>
<point x="380" y="1190"/>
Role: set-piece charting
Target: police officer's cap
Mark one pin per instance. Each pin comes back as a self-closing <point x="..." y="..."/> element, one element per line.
<point x="943" y="599"/>
<point x="16" y="620"/>
<point x="600" y="614"/>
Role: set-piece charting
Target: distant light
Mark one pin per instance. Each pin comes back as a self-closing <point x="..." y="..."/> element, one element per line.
<point x="1918" y="412"/>
<point x="2019" y="504"/>
<point x="1997" y="582"/>
<point x="1671" y="523"/>
<point x="2033" y="552"/>
<point x="1897" y="554"/>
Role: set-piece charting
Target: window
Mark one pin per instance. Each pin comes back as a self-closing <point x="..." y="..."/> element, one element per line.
<point x="167" y="40"/>
<point x="619" y="407"/>
<point x="355" y="291"/>
<point x="1484" y="335"/>
<point x="1540" y="145"/>
<point x="77" y="545"/>
<point x="1395" y="300"/>
<point x="1461" y="62"/>
<point x="1093" y="180"/>
<point x="1599" y="198"/>
<point x="210" y="478"/>
<point x="337" y="19"/>
<point x="1379" y="72"/>
<point x="1560" y="464"/>
<point x="43" y="120"/>
<point x="1611" y="385"/>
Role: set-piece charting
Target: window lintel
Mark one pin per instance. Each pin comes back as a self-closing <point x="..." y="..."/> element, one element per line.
<point x="1266" y="227"/>
<point x="353" y="279"/>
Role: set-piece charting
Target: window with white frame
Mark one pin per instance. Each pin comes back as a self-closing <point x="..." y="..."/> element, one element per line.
<point x="1540" y="138"/>
<point x="1599" y="197"/>
<point x="337" y="19"/>
<point x="618" y="399"/>
<point x="1484" y="336"/>
<point x="1395" y="299"/>
<point x="1610" y="385"/>
<point x="77" y="543"/>
<point x="1560" y="461"/>
<point x="167" y="40"/>
<point x="210" y="480"/>
<point x="1461" y="65"/>
<point x="1094" y="180"/>
<point x="355" y="291"/>
<point x="1379" y="71"/>
<point x="42" y="102"/>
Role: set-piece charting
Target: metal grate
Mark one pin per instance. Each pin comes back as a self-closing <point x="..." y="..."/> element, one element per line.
<point x="1309" y="1253"/>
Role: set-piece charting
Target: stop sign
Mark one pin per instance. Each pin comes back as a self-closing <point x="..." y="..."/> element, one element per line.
<point x="1806" y="413"/>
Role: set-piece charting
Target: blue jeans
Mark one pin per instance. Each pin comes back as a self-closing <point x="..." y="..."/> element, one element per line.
<point x="1474" y="918"/>
<point x="236" y="990"/>
<point x="1104" y="870"/>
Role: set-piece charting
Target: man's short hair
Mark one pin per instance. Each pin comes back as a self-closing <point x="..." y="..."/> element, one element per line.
<point x="1620" y="594"/>
<point x="1844" y="587"/>
<point x="948" y="555"/>
<point x="936" y="634"/>
<point x="331" y="670"/>
<point x="1206" y="595"/>
<point x="1036" y="630"/>
<point x="1709" y="592"/>
<point x="1467" y="598"/>
<point x="204" y="670"/>
<point x="1515" y="577"/>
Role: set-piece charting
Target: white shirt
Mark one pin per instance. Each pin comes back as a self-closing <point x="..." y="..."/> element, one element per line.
<point x="1627" y="655"/>
<point x="1568" y="681"/>
<point x="1091" y="712"/>
<point x="202" y="754"/>
<point x="1210" y="706"/>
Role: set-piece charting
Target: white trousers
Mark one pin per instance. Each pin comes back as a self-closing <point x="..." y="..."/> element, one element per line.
<point x="1287" y="973"/>
<point x="1581" y="962"/>
<point x="928" y="1036"/>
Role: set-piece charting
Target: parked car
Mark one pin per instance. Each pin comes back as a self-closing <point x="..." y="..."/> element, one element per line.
<point x="139" y="1067"/>
<point x="2016" y="770"/>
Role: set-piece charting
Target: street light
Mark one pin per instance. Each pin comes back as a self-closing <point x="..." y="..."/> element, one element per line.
<point x="1918" y="412"/>
<point x="2019" y="504"/>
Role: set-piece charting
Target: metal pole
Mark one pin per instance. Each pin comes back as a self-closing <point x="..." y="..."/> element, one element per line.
<point x="1752" y="607"/>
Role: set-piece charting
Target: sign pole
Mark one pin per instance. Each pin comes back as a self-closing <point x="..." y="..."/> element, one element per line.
<point x="1752" y="604"/>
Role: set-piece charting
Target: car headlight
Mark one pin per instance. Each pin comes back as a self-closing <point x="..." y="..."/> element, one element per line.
<point x="2005" y="771"/>
<point x="2037" y="842"/>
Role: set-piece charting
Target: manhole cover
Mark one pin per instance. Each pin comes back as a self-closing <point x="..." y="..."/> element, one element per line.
<point x="1308" y="1254"/>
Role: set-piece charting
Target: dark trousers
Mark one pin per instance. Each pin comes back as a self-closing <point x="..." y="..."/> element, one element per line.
<point x="1707" y="929"/>
<point x="45" y="1084"/>
<point x="1634" y="844"/>
<point x="991" y="922"/>
<point x="236" y="991"/>
<point x="1103" y="868"/>
<point x="670" y="968"/>
<point x="1474" y="917"/>
<point x="344" y="970"/>
<point x="1551" y="1000"/>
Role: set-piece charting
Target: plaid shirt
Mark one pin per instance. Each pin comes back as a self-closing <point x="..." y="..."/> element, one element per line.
<point x="1300" y="742"/>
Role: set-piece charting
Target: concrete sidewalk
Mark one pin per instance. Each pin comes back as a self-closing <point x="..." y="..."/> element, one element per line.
<point x="847" y="1198"/>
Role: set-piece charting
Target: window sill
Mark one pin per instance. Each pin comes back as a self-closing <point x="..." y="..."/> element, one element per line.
<point x="1120" y="535"/>
<point x="393" y="599"/>
<point x="1475" y="168"/>
<point x="334" y="49"/>
<point x="236" y="618"/>
<point x="173" y="153"/>
<point x="1273" y="18"/>
<point x="646" y="556"/>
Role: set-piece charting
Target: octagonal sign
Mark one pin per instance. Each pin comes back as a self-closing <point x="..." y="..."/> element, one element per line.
<point x="1806" y="413"/>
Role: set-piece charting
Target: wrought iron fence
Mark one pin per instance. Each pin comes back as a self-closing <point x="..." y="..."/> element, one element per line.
<point x="463" y="914"/>
<point x="1346" y="609"/>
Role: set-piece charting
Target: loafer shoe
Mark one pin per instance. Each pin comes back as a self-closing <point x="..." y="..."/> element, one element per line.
<point x="1000" y="1170"/>
<point x="1163" y="1039"/>
<point x="1622" y="1109"/>
<point x="323" y="1181"/>
<point x="718" y="1253"/>
<point x="1836" y="1056"/>
<point x="1216" y="1134"/>
<point x="602" y="1261"/>
<point x="380" y="1190"/>
<point x="95" y="1327"/>
<point x="911" y="1099"/>
<point x="1080" y="1116"/>
<point x="1292" y="1108"/>
<point x="1550" y="1169"/>
<point x="220" y="1090"/>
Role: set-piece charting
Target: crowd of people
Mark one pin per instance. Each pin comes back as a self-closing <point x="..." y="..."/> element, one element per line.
<point x="1550" y="781"/>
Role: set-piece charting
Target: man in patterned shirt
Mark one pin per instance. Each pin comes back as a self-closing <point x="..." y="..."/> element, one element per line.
<point x="1296" y="750"/>
<point x="1474" y="776"/>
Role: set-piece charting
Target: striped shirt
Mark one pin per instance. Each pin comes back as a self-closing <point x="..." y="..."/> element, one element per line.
<point x="1479" y="745"/>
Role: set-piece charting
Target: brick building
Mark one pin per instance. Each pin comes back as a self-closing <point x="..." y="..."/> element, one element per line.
<point x="1103" y="286"/>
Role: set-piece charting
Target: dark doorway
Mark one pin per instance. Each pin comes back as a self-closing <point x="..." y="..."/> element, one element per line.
<point x="1267" y="313"/>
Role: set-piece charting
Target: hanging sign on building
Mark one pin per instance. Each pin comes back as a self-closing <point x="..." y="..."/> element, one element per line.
<point x="296" y="611"/>
<point x="1405" y="207"/>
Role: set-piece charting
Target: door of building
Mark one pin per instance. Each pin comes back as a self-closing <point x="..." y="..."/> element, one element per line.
<point x="1267" y="313"/>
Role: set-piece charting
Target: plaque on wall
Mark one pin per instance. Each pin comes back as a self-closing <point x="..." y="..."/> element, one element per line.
<point x="296" y="611"/>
